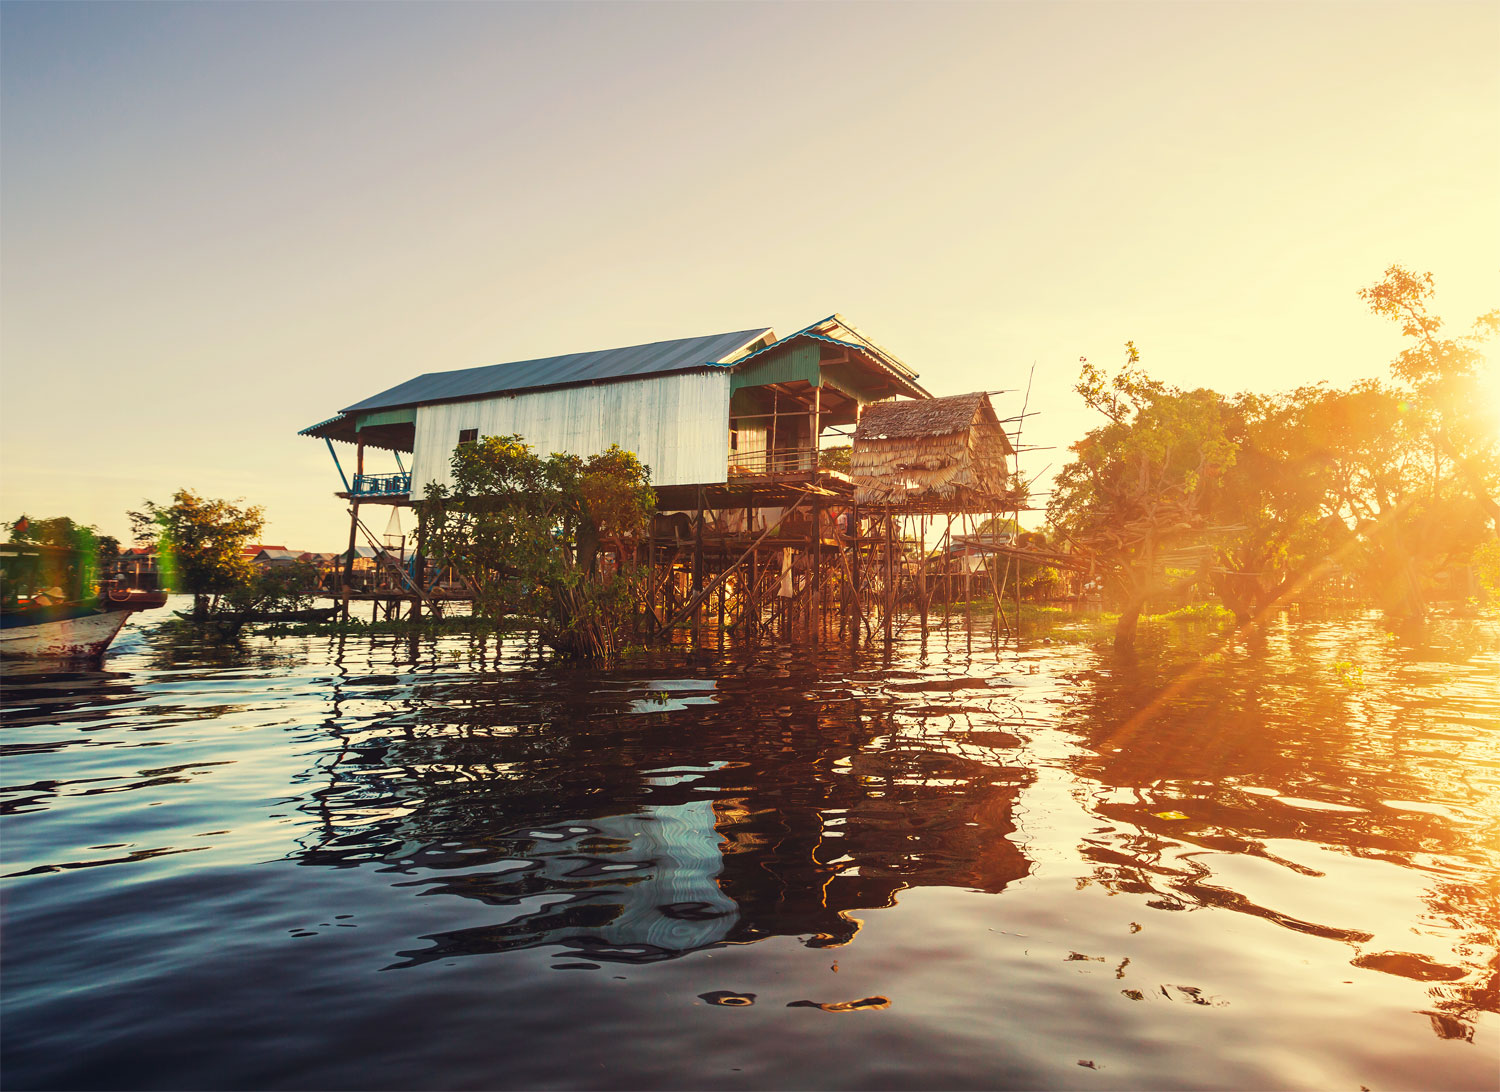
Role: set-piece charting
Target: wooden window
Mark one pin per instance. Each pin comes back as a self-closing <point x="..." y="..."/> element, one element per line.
<point x="468" y="435"/>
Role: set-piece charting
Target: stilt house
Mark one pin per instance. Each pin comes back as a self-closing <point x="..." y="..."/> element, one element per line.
<point x="698" y="411"/>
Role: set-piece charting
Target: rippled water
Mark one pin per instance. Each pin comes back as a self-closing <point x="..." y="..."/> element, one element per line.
<point x="392" y="863"/>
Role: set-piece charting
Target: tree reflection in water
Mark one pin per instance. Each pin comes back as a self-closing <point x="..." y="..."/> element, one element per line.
<point x="631" y="818"/>
<point x="1339" y="739"/>
<point x="679" y="805"/>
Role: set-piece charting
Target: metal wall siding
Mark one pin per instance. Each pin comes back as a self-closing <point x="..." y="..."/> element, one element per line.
<point x="677" y="424"/>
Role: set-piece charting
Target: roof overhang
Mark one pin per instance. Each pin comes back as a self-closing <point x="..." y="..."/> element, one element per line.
<point x="835" y="331"/>
<point x="350" y="429"/>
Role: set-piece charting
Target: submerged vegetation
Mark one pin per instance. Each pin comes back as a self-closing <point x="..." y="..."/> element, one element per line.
<point x="528" y="534"/>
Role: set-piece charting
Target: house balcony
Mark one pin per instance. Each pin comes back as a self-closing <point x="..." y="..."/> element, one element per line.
<point x="782" y="461"/>
<point x="380" y="485"/>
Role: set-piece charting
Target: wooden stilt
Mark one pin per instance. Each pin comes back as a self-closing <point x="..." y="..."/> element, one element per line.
<point x="890" y="575"/>
<point x="968" y="585"/>
<point x="855" y="612"/>
<point x="817" y="570"/>
<point x="698" y="571"/>
<point x="921" y="590"/>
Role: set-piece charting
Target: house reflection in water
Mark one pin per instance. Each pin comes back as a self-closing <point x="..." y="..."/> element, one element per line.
<point x="629" y="838"/>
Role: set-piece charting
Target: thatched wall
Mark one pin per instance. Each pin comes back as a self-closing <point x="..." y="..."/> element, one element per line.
<point x="940" y="451"/>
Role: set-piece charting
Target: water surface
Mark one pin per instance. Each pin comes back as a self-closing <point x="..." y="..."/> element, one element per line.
<point x="439" y="863"/>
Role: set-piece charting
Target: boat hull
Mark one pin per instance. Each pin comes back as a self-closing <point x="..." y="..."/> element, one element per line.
<point x="83" y="638"/>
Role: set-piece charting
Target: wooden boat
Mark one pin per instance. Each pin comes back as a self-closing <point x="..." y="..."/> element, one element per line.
<point x="83" y="635"/>
<point x="48" y="609"/>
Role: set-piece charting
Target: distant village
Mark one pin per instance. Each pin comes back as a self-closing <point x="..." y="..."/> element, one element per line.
<point x="138" y="566"/>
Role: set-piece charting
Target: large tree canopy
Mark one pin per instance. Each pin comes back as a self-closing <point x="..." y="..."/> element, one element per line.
<point x="1445" y="375"/>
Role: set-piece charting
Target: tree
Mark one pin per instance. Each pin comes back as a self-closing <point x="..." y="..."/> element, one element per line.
<point x="200" y="542"/>
<point x="1387" y="483"/>
<point x="1396" y="512"/>
<point x="79" y="576"/>
<point x="1281" y="523"/>
<point x="60" y="531"/>
<point x="1141" y="484"/>
<point x="835" y="458"/>
<point x="1444" y="375"/>
<point x="527" y="532"/>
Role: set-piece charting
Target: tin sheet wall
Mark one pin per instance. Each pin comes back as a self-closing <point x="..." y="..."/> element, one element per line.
<point x="677" y="424"/>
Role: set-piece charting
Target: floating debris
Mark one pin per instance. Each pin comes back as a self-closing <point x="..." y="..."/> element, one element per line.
<point x="861" y="1005"/>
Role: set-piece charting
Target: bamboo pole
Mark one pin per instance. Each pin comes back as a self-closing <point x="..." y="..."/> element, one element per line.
<point x="922" y="574"/>
<point x="698" y="572"/>
<point x="890" y="576"/>
<point x="817" y="569"/>
<point x="353" y="524"/>
<point x="856" y="614"/>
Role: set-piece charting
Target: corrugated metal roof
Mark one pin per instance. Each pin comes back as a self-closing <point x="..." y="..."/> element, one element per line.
<point x="321" y="428"/>
<point x="656" y="358"/>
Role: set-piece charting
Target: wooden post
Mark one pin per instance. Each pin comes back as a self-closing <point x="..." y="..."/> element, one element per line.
<point x="968" y="578"/>
<point x="698" y="570"/>
<point x="817" y="430"/>
<point x="752" y="597"/>
<point x="854" y="611"/>
<point x="922" y="577"/>
<point x="817" y="569"/>
<point x="947" y="576"/>
<point x="771" y="439"/>
<point x="651" y="576"/>
<point x="1018" y="582"/>
<point x="890" y="576"/>
<point x="999" y="590"/>
<point x="669" y="588"/>
<point x="359" y="469"/>
<point x="418" y="572"/>
<point x="750" y="611"/>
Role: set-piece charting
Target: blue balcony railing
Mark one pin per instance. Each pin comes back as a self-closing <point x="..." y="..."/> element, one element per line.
<point x="380" y="485"/>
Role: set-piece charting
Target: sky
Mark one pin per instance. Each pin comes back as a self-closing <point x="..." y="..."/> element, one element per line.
<point x="221" y="223"/>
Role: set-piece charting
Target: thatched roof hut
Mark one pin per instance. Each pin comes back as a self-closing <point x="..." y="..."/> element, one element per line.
<point x="949" y="452"/>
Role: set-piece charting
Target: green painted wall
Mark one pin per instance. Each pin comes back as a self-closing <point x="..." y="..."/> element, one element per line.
<point x="782" y="366"/>
<point x="801" y="361"/>
<point x="406" y="416"/>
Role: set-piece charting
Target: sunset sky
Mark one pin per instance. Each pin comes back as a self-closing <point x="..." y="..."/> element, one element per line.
<point x="224" y="222"/>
